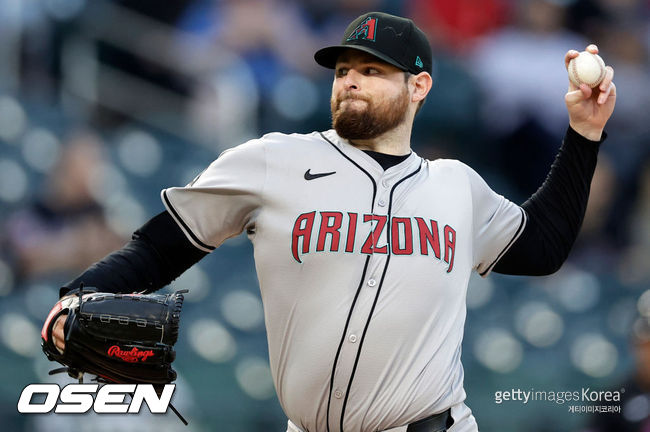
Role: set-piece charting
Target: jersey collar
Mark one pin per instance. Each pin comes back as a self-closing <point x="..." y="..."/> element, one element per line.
<point x="368" y="163"/>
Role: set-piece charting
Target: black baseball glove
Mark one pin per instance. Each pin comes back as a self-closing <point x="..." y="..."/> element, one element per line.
<point x="120" y="338"/>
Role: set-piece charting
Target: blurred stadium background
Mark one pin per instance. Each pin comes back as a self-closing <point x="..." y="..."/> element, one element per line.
<point x="104" y="103"/>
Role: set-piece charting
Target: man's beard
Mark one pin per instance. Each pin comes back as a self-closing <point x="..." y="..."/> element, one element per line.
<point x="370" y="122"/>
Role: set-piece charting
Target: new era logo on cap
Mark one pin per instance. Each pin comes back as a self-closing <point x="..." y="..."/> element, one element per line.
<point x="393" y="39"/>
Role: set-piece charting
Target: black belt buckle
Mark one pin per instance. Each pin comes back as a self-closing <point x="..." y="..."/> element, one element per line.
<point x="436" y="423"/>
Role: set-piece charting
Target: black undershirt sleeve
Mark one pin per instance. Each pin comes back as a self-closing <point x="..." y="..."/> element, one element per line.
<point x="157" y="254"/>
<point x="555" y="212"/>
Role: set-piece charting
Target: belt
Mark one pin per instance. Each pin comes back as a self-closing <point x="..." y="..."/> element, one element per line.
<point x="436" y="423"/>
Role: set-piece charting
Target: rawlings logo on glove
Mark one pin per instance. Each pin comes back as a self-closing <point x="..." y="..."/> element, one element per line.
<point x="132" y="356"/>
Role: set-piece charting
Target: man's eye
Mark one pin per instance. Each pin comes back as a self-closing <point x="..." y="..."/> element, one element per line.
<point x="372" y="71"/>
<point x="341" y="72"/>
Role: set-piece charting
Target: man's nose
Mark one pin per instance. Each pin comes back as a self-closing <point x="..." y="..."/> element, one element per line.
<point x="351" y="80"/>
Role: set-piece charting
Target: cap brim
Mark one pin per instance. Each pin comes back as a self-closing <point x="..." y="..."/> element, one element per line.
<point x="327" y="56"/>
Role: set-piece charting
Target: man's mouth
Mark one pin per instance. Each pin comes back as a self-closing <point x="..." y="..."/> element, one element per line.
<point x="352" y="101"/>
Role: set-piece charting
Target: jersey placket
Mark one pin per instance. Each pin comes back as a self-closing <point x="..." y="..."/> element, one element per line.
<point x="367" y="296"/>
<point x="350" y="349"/>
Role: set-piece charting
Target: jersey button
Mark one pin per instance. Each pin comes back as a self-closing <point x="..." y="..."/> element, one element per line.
<point x="372" y="282"/>
<point x="352" y="338"/>
<point x="338" y="394"/>
<point x="381" y="202"/>
<point x="384" y="183"/>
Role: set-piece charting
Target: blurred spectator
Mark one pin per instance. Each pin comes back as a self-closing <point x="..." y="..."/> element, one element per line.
<point x="145" y="69"/>
<point x="587" y="17"/>
<point x="622" y="11"/>
<point x="625" y="49"/>
<point x="524" y="80"/>
<point x="622" y="46"/>
<point x="519" y="58"/>
<point x="259" y="31"/>
<point x="63" y="230"/>
<point x="634" y="263"/>
<point x="454" y="25"/>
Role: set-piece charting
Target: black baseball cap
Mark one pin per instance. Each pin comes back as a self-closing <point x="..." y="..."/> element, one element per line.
<point x="393" y="39"/>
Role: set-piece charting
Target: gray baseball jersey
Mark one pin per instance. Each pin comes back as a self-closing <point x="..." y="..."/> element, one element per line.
<point x="363" y="272"/>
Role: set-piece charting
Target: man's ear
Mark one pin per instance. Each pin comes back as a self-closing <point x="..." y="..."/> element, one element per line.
<point x="422" y="84"/>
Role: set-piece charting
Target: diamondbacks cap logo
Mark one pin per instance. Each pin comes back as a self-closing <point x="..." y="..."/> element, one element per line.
<point x="365" y="30"/>
<point x="418" y="62"/>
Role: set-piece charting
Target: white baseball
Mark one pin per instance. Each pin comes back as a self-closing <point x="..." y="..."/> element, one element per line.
<point x="587" y="68"/>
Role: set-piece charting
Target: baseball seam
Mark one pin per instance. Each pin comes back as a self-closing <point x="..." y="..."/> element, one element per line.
<point x="573" y="71"/>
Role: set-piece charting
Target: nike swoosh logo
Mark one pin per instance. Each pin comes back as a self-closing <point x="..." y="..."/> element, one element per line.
<point x="310" y="176"/>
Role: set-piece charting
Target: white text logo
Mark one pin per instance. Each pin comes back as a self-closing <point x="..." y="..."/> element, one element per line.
<point x="108" y="399"/>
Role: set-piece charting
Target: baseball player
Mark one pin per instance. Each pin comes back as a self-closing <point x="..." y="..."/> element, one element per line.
<point x="362" y="248"/>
